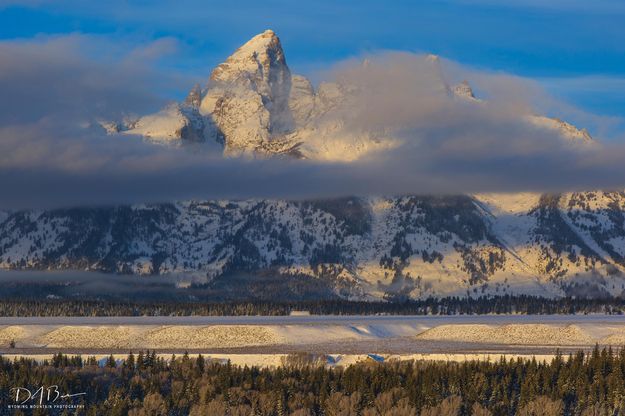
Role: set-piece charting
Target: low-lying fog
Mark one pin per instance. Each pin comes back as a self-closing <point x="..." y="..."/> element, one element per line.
<point x="88" y="285"/>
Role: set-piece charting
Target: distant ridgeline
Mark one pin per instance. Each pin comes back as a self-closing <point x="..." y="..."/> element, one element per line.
<point x="354" y="248"/>
<point x="431" y="306"/>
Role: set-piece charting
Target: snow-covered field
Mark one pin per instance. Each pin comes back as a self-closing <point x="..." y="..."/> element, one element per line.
<point x="345" y="338"/>
<point x="518" y="334"/>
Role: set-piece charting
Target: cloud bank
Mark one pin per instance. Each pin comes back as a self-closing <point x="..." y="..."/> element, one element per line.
<point x="51" y="157"/>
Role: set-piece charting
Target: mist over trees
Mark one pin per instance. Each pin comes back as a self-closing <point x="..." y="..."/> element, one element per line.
<point x="444" y="306"/>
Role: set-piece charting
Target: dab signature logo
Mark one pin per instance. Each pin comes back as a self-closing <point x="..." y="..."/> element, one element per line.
<point x="47" y="397"/>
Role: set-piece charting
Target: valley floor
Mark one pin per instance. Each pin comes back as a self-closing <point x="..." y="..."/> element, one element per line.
<point x="340" y="340"/>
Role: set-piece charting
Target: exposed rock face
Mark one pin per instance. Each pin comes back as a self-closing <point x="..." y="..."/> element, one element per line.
<point x="464" y="90"/>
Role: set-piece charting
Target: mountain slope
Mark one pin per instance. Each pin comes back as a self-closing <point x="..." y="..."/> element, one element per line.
<point x="377" y="247"/>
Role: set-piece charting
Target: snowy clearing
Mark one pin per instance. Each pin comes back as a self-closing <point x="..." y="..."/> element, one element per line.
<point x="339" y="336"/>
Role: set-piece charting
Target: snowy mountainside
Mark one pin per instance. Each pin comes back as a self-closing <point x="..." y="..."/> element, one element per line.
<point x="390" y="248"/>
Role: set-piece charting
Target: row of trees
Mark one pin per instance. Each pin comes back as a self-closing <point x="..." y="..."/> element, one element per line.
<point x="445" y="306"/>
<point x="581" y="384"/>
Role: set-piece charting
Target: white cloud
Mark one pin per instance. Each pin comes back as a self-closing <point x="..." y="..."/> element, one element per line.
<point x="48" y="159"/>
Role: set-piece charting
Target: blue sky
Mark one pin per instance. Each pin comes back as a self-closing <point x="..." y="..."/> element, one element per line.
<point x="576" y="49"/>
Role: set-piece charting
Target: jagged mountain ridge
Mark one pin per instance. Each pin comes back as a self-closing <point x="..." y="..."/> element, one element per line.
<point x="362" y="248"/>
<point x="253" y="105"/>
<point x="413" y="246"/>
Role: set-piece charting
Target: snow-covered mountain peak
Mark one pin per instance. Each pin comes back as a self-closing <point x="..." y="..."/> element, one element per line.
<point x="247" y="99"/>
<point x="260" y="45"/>
<point x="253" y="106"/>
<point x="259" y="64"/>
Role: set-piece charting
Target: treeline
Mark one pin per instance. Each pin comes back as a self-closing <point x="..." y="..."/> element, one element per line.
<point x="145" y="384"/>
<point x="445" y="306"/>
